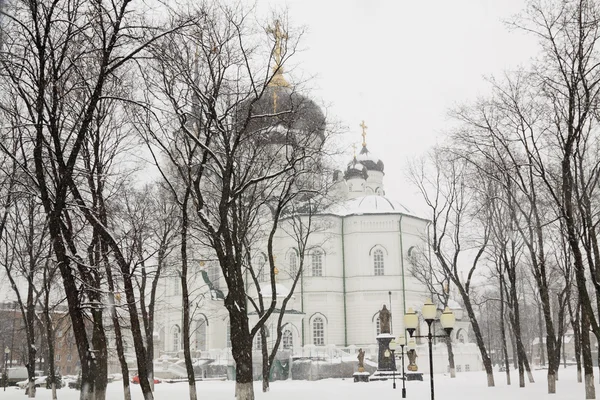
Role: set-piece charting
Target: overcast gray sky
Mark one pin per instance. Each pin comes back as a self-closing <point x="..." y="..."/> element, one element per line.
<point x="401" y="65"/>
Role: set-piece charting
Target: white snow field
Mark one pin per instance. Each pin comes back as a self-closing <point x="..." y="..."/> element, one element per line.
<point x="466" y="386"/>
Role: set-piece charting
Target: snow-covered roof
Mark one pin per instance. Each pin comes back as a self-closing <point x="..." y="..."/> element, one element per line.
<point x="280" y="290"/>
<point x="369" y="204"/>
<point x="364" y="156"/>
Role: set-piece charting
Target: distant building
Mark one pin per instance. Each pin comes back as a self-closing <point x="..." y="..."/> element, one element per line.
<point x="13" y="337"/>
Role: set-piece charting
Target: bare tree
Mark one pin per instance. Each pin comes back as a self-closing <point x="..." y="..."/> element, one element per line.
<point x="25" y="248"/>
<point x="437" y="282"/>
<point x="252" y="145"/>
<point x="569" y="83"/>
<point x="58" y="56"/>
<point x="300" y="222"/>
<point x="442" y="183"/>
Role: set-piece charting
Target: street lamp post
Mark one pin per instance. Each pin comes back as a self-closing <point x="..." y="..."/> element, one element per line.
<point x="6" y="353"/>
<point x="402" y="343"/>
<point x="392" y="347"/>
<point x="429" y="312"/>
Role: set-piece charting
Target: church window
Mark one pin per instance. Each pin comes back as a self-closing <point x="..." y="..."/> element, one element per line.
<point x="460" y="336"/>
<point x="201" y="335"/>
<point x="258" y="342"/>
<point x="260" y="266"/>
<point x="287" y="340"/>
<point x="317" y="263"/>
<point x="176" y="282"/>
<point x="458" y="368"/>
<point x="293" y="264"/>
<point x="318" y="332"/>
<point x="214" y="273"/>
<point x="228" y="335"/>
<point x="467" y="367"/>
<point x="162" y="336"/>
<point x="377" y="327"/>
<point x="176" y="332"/>
<point x="378" y="262"/>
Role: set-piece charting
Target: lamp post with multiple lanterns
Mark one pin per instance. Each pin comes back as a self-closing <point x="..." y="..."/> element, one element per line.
<point x="429" y="313"/>
<point x="402" y="343"/>
<point x="392" y="347"/>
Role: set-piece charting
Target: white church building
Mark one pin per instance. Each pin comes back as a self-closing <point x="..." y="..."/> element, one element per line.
<point x="356" y="263"/>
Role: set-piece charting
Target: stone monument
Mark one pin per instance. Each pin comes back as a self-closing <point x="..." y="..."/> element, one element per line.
<point x="412" y="360"/>
<point x="361" y="360"/>
<point x="386" y="362"/>
<point x="413" y="375"/>
<point x="361" y="375"/>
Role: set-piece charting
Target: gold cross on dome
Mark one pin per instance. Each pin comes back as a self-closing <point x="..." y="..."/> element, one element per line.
<point x="278" y="34"/>
<point x="364" y="133"/>
<point x="277" y="80"/>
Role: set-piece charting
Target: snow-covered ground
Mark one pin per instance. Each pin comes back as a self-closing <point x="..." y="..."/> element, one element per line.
<point x="466" y="386"/>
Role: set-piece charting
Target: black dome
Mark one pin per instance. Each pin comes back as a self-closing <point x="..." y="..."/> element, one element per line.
<point x="371" y="162"/>
<point x="356" y="170"/>
<point x="282" y="106"/>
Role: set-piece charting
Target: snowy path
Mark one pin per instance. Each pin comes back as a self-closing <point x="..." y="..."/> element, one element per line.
<point x="467" y="386"/>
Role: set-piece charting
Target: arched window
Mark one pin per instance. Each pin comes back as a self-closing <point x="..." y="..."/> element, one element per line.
<point x="293" y="260"/>
<point x="378" y="262"/>
<point x="176" y="332"/>
<point x="260" y="267"/>
<point x="258" y="342"/>
<point x="318" y="332"/>
<point x="461" y="336"/>
<point x="201" y="335"/>
<point x="176" y="282"/>
<point x="228" y="335"/>
<point x="214" y="273"/>
<point x="287" y="340"/>
<point x="317" y="262"/>
<point x="162" y="337"/>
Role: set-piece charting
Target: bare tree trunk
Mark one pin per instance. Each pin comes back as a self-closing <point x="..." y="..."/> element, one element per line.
<point x="266" y="364"/>
<point x="118" y="334"/>
<point x="186" y="298"/>
<point x="503" y="328"/>
<point x="99" y="352"/>
<point x="48" y="274"/>
<point x="487" y="362"/>
<point x="541" y="337"/>
<point x="526" y="363"/>
<point x="451" y="364"/>
<point x="241" y="341"/>
<point x="575" y="319"/>
<point x="516" y="319"/>
<point x="588" y="367"/>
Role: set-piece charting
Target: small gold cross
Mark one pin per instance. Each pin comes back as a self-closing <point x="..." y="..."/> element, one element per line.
<point x="364" y="133"/>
